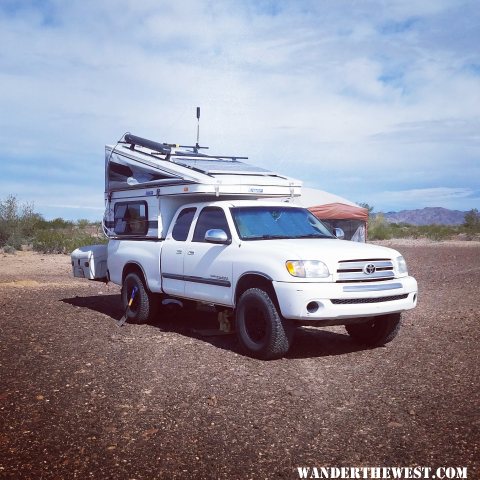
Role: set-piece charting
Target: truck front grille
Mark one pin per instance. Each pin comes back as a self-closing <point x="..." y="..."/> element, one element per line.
<point x="365" y="270"/>
<point x="391" y="298"/>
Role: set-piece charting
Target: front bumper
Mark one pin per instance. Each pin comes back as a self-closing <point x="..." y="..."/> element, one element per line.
<point x="327" y="301"/>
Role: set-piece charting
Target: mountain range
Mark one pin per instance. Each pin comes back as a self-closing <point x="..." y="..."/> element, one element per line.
<point x="427" y="216"/>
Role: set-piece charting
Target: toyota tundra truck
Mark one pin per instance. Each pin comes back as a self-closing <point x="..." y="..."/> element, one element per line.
<point x="273" y="266"/>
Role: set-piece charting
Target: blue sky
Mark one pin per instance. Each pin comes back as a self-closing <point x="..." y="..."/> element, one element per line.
<point x="377" y="101"/>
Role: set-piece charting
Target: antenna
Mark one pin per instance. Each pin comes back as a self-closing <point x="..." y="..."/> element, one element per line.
<point x="197" y="145"/>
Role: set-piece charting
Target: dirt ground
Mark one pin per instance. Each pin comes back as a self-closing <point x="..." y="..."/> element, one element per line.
<point x="82" y="398"/>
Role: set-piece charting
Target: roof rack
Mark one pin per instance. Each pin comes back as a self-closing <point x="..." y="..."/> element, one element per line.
<point x="141" y="164"/>
<point x="169" y="149"/>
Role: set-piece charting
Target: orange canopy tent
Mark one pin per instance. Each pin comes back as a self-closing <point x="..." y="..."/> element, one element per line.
<point x="339" y="211"/>
<point x="336" y="212"/>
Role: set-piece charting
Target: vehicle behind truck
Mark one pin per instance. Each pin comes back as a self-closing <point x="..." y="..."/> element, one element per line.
<point x="191" y="227"/>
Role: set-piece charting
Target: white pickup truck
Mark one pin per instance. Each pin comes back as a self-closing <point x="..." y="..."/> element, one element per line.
<point x="238" y="247"/>
<point x="273" y="264"/>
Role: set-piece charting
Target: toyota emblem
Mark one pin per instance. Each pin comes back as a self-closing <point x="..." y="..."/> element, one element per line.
<point x="369" y="268"/>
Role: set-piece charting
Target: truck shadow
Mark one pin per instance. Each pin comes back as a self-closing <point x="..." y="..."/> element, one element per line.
<point x="109" y="305"/>
<point x="202" y="325"/>
<point x="318" y="342"/>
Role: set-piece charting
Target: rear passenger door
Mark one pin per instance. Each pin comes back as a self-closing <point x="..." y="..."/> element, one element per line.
<point x="173" y="251"/>
<point x="208" y="266"/>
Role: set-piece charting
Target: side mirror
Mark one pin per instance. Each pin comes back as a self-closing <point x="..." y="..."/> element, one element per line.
<point x="339" y="233"/>
<point x="216" y="235"/>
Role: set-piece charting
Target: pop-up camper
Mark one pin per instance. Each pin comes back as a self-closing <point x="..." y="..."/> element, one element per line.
<point x="146" y="182"/>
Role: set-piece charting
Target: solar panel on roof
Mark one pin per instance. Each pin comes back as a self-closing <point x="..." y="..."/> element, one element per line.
<point x="214" y="166"/>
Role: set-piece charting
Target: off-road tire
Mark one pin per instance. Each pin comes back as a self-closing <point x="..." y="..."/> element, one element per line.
<point x="377" y="330"/>
<point x="144" y="306"/>
<point x="261" y="330"/>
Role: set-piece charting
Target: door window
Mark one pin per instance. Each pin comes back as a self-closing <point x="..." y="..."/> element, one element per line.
<point x="182" y="224"/>
<point x="209" y="218"/>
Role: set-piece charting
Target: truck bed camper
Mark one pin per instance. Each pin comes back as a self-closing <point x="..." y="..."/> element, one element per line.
<point x="196" y="228"/>
<point x="160" y="177"/>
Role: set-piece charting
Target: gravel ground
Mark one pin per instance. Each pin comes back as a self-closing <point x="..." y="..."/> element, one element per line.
<point x="82" y="398"/>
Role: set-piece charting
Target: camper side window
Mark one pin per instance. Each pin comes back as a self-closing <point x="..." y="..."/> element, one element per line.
<point x="131" y="218"/>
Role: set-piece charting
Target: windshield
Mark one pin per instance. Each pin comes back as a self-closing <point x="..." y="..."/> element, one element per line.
<point x="270" y="222"/>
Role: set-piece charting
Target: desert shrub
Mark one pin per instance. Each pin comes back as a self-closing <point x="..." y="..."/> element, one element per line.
<point x="59" y="223"/>
<point x="9" y="249"/>
<point x="8" y="219"/>
<point x="400" y="230"/>
<point x="18" y="222"/>
<point x="370" y="208"/>
<point x="63" y="241"/>
<point x="379" y="228"/>
<point x="20" y="225"/>
<point x="15" y="241"/>
<point x="438" y="232"/>
<point x="83" y="223"/>
<point x="472" y="221"/>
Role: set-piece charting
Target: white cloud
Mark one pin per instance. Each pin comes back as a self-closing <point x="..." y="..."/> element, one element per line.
<point x="328" y="91"/>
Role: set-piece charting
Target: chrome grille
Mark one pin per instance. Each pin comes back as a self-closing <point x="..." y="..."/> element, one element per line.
<point x="355" y="270"/>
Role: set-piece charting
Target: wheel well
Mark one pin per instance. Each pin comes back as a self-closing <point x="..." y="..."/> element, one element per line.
<point x="254" y="280"/>
<point x="133" y="268"/>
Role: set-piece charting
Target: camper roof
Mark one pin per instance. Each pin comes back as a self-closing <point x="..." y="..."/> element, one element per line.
<point x="136" y="162"/>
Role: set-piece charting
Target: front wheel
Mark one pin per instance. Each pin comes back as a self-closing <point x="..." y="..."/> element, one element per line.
<point x="143" y="305"/>
<point x="376" y="331"/>
<point x="261" y="330"/>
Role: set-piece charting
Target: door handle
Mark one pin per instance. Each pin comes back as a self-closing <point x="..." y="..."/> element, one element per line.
<point x="190" y="252"/>
<point x="179" y="252"/>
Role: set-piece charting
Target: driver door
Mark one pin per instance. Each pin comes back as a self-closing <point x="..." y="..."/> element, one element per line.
<point x="208" y="266"/>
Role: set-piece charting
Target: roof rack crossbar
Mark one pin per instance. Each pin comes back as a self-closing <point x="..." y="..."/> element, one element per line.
<point x="168" y="149"/>
<point x="212" y="157"/>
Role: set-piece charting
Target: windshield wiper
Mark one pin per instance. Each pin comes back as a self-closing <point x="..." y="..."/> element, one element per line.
<point x="314" y="235"/>
<point x="267" y="237"/>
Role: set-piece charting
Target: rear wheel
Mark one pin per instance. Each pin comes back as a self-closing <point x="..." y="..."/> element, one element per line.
<point x="143" y="306"/>
<point x="261" y="330"/>
<point x="377" y="330"/>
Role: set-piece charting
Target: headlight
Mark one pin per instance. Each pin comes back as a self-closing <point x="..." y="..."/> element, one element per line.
<point x="307" y="268"/>
<point x="401" y="265"/>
